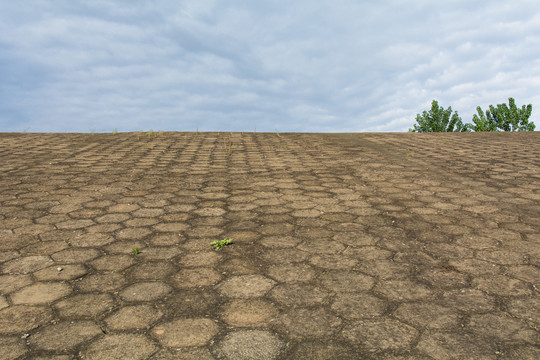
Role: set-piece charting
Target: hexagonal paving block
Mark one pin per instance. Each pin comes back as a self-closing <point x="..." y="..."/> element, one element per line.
<point x="41" y="293"/>
<point x="133" y="317"/>
<point x="63" y="272"/>
<point x="358" y="305"/>
<point x="123" y="208"/>
<point x="44" y="248"/>
<point x="133" y="233"/>
<point x="427" y="315"/>
<point x="384" y="269"/>
<point x="113" y="262"/>
<point x="355" y="239"/>
<point x="252" y="312"/>
<point x="75" y="255"/>
<point x="475" y="267"/>
<point x="366" y="253"/>
<point x="276" y="229"/>
<point x="141" y="222"/>
<point x="319" y="246"/>
<point x="380" y="334"/>
<point x="101" y="282"/>
<point x="290" y="273"/>
<point x="309" y="323"/>
<point x="112" y="218"/>
<point x="209" y="211"/>
<point x="159" y="252"/>
<point x="91" y="240"/>
<point x="445" y="278"/>
<point x="502" y="285"/>
<point x="10" y="283"/>
<point x="250" y="345"/>
<point x="186" y="332"/>
<point x="152" y="270"/>
<point x="84" y="305"/>
<point x="285" y="255"/>
<point x="333" y="261"/>
<point x="299" y="294"/>
<point x="277" y="241"/>
<point x="26" y="264"/>
<point x="120" y="346"/>
<point x="171" y="227"/>
<point x="125" y="247"/>
<point x="503" y="327"/>
<point x="246" y="286"/>
<point x="148" y="212"/>
<point x="200" y="258"/>
<point x="345" y="281"/>
<point x="451" y="345"/>
<point x="64" y="335"/>
<point x="195" y="277"/>
<point x="145" y="291"/>
<point x="403" y="290"/>
<point x="20" y="318"/>
<point x="468" y="300"/>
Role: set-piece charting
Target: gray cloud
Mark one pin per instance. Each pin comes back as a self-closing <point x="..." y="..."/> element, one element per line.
<point x="238" y="65"/>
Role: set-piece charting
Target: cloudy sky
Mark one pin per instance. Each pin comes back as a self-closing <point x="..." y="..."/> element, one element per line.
<point x="243" y="65"/>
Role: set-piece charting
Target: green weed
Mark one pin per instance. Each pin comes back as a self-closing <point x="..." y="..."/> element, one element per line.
<point x="227" y="145"/>
<point x="136" y="251"/>
<point x="218" y="244"/>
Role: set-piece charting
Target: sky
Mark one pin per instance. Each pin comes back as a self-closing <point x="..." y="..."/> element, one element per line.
<point x="264" y="66"/>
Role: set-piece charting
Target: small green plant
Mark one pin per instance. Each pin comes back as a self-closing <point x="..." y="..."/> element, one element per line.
<point x="277" y="133"/>
<point x="136" y="251"/>
<point x="218" y="244"/>
<point x="227" y="145"/>
<point x="115" y="132"/>
<point x="150" y="133"/>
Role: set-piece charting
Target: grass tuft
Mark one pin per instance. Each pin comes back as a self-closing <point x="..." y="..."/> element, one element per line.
<point x="218" y="244"/>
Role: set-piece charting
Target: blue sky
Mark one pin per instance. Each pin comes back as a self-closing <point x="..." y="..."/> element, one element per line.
<point x="241" y="65"/>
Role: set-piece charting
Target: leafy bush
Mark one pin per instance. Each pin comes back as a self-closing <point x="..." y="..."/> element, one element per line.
<point x="500" y="118"/>
<point x="438" y="120"/>
<point x="504" y="118"/>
